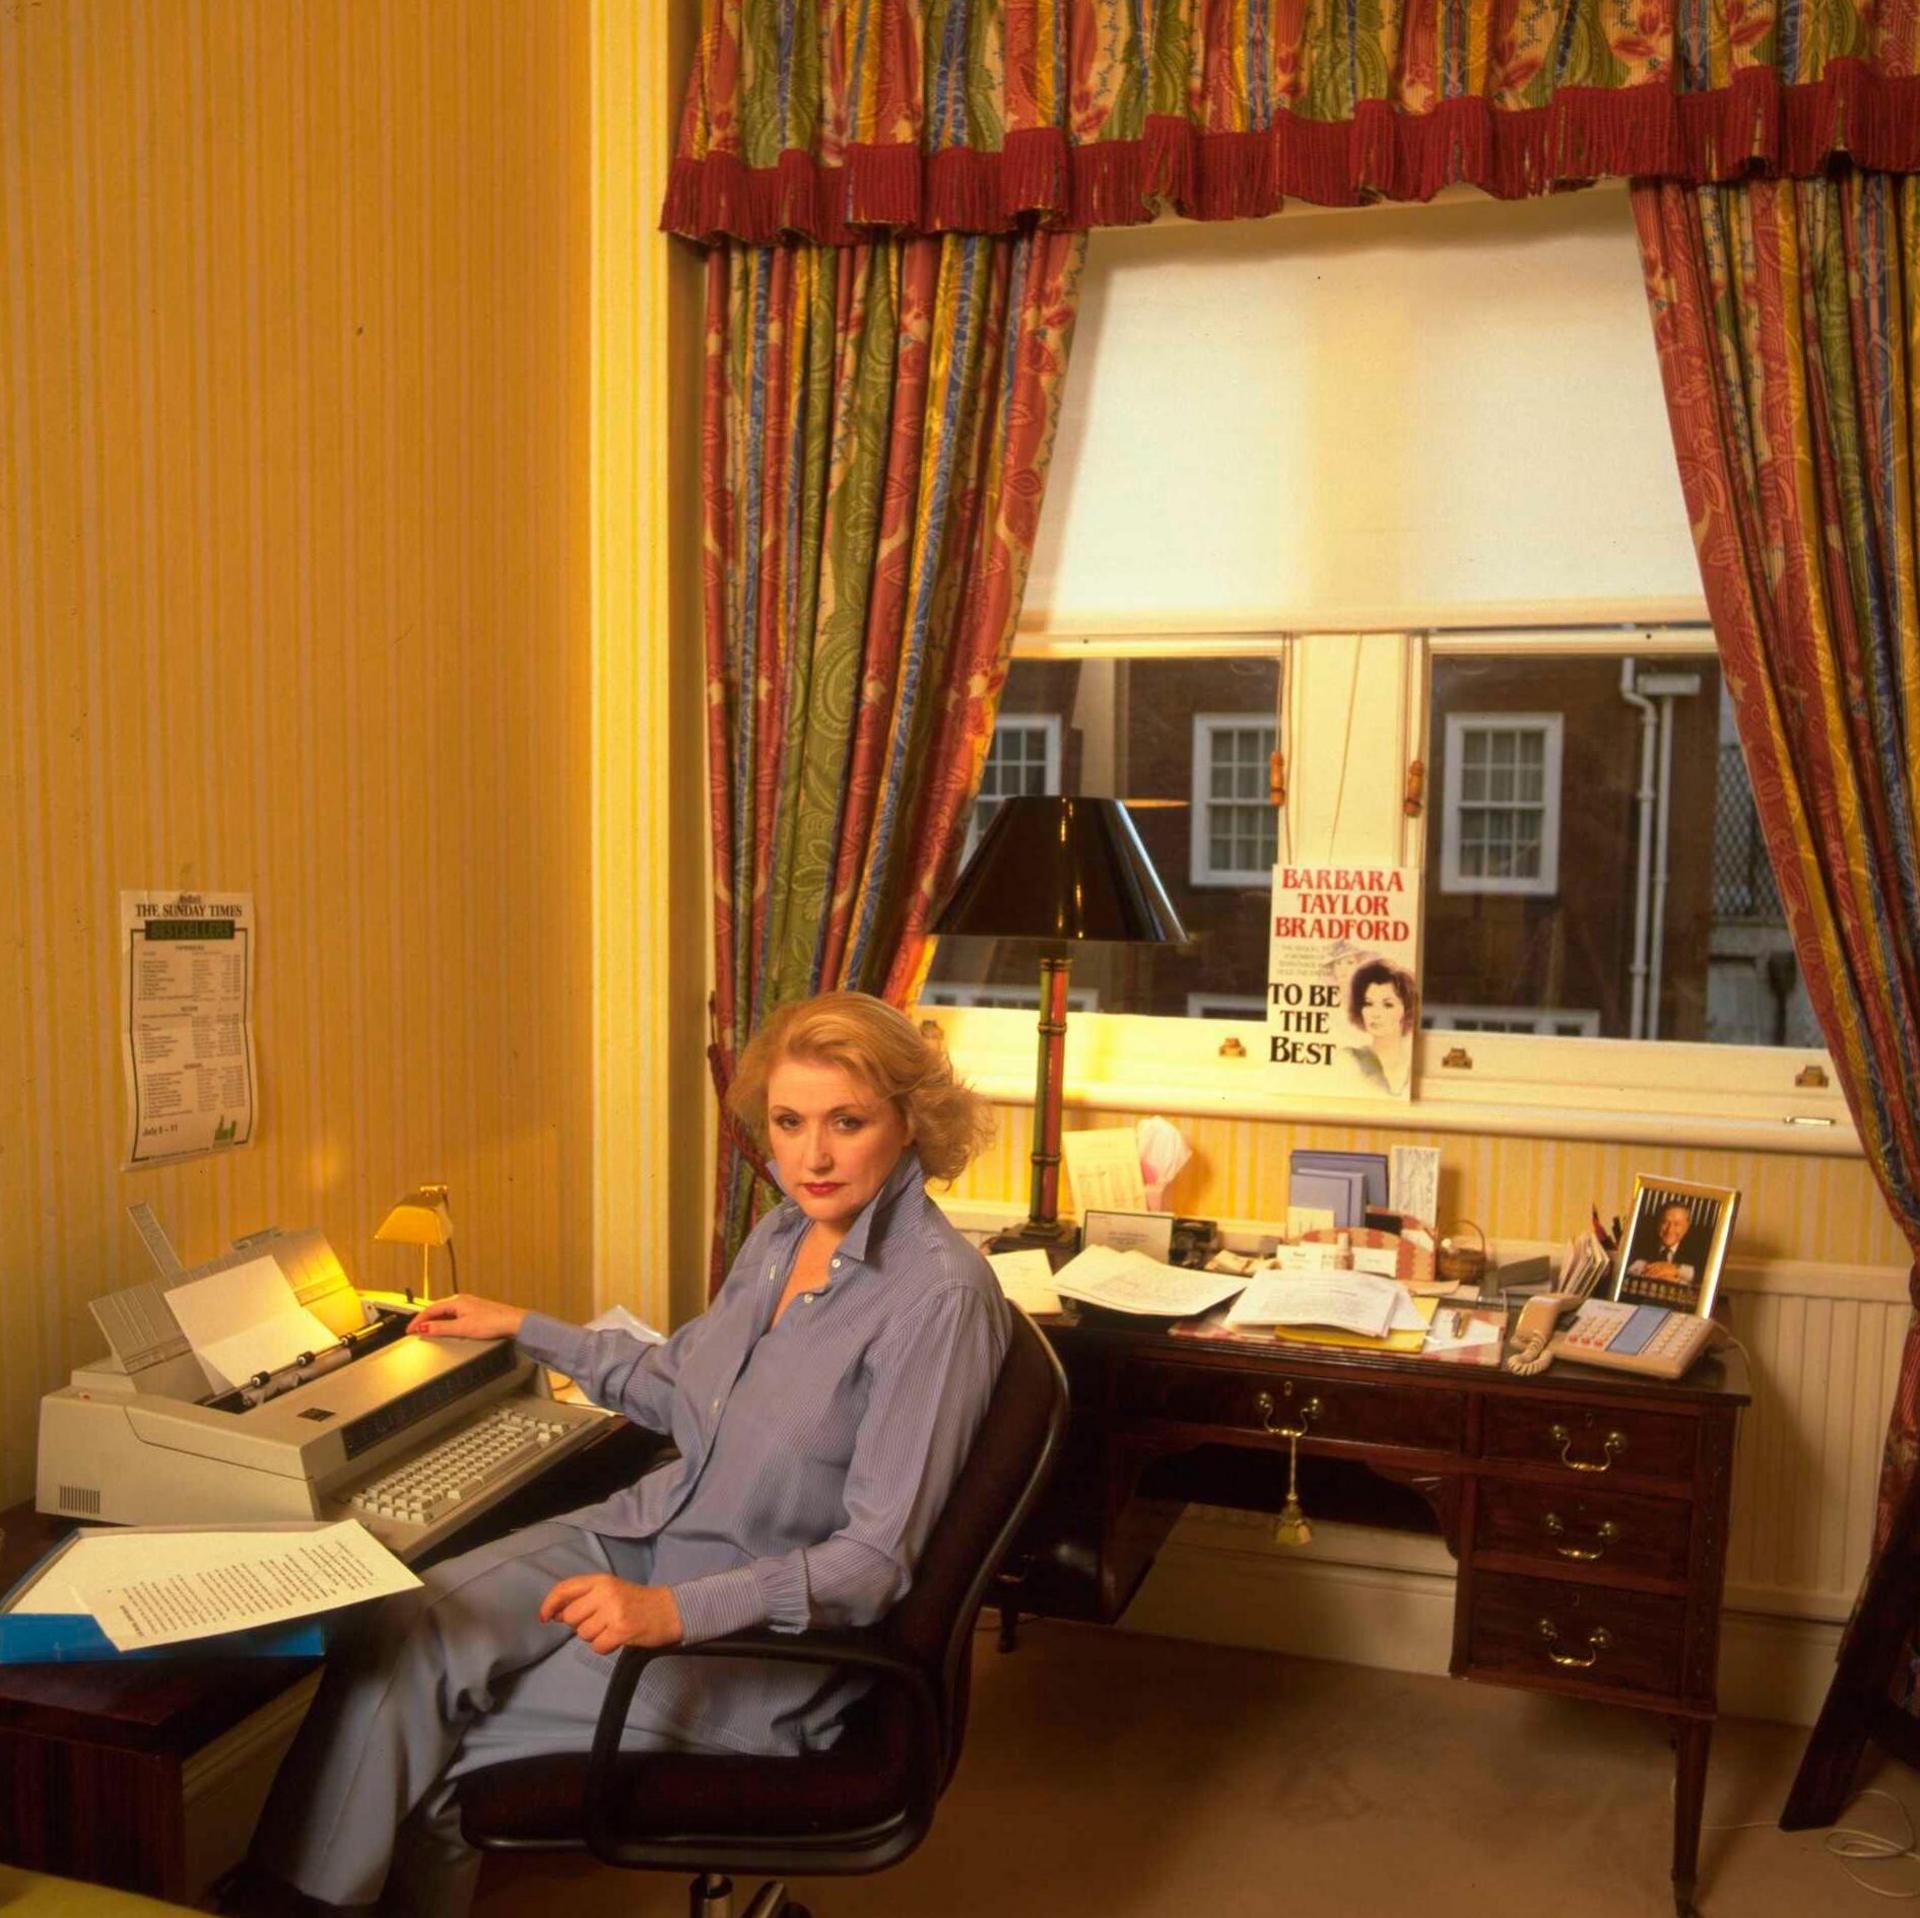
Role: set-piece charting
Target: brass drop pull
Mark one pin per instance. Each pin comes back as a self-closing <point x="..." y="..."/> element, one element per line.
<point x="1604" y="1534"/>
<point x="1612" y="1445"/>
<point x="1597" y="1642"/>
<point x="1265" y="1407"/>
<point x="1291" y="1527"/>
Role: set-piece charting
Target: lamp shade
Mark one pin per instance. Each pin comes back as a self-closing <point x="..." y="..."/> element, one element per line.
<point x="421" y="1218"/>
<point x="1059" y="868"/>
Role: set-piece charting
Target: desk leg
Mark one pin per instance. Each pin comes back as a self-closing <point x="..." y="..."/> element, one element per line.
<point x="1691" y="1738"/>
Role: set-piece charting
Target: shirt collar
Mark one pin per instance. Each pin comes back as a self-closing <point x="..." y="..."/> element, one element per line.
<point x="906" y="1177"/>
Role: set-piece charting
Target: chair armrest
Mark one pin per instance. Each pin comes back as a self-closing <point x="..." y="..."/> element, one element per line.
<point x="863" y="1652"/>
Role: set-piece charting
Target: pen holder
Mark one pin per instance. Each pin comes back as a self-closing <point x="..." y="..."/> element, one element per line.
<point x="1456" y="1264"/>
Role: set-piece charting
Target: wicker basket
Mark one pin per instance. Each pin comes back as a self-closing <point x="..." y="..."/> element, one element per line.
<point x="1456" y="1264"/>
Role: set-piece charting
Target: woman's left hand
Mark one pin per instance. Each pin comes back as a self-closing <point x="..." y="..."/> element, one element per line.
<point x="608" y="1612"/>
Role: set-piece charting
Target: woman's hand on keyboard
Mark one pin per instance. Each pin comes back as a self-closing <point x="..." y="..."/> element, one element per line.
<point x="465" y="1317"/>
<point x="608" y="1612"/>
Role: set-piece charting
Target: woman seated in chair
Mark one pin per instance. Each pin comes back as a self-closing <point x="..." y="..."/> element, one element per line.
<point x="822" y="1408"/>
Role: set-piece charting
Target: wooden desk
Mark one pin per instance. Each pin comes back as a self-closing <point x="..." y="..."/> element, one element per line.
<point x="102" y="1765"/>
<point x="1587" y="1511"/>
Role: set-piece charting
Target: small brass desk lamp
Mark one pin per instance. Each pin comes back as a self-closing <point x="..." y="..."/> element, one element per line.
<point x="422" y="1219"/>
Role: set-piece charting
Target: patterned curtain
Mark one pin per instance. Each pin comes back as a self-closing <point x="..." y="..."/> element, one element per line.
<point x="877" y="424"/>
<point x="1788" y="330"/>
<point x="825" y="117"/>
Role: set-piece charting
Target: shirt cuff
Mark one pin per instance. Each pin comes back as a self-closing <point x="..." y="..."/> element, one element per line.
<point x="553" y="1342"/>
<point x="717" y="1604"/>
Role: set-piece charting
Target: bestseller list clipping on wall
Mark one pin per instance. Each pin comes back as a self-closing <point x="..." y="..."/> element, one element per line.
<point x="186" y="1021"/>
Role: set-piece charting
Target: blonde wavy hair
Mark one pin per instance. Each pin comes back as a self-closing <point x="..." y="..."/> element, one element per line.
<point x="881" y="1047"/>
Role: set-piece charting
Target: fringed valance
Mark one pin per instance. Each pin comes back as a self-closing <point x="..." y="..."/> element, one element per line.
<point x="827" y="118"/>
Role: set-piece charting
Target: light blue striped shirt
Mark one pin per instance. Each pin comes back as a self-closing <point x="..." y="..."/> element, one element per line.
<point x="814" y="1455"/>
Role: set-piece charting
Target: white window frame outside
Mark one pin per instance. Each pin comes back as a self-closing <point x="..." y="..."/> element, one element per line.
<point x="1046" y="723"/>
<point x="1202" y="872"/>
<point x="1546" y="882"/>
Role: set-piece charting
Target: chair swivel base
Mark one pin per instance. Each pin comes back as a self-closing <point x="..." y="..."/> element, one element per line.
<point x="711" y="1896"/>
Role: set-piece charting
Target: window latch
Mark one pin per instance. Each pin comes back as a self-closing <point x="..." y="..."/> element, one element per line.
<point x="1811" y="1078"/>
<point x="1458" y="1059"/>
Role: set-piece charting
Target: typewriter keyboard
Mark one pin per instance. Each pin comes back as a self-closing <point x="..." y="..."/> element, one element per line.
<point x="461" y="1468"/>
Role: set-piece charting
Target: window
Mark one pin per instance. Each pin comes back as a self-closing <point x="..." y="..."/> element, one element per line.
<point x="1008" y="997"/>
<point x="1549" y="1022"/>
<point x="1501" y="814"/>
<point x="1235" y="830"/>
<point x="1126" y="725"/>
<point x="1023" y="758"/>
<point x="1665" y="927"/>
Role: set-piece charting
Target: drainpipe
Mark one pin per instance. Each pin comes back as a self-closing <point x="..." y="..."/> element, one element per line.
<point x="1643" y="807"/>
<point x="1665" y="687"/>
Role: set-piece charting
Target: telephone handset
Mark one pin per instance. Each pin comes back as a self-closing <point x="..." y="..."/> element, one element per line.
<point x="1534" y="1328"/>
<point x="1633" y="1338"/>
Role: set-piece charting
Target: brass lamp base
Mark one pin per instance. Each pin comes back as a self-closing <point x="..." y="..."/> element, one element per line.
<point x="1057" y="1238"/>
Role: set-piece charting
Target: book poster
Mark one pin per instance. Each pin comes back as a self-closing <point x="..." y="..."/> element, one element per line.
<point x="186" y="1022"/>
<point x="1343" y="995"/>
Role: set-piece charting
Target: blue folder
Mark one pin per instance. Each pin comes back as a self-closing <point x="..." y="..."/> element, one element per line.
<point x="72" y="1638"/>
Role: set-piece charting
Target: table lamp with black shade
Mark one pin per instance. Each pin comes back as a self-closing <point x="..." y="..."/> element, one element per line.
<point x="1058" y="871"/>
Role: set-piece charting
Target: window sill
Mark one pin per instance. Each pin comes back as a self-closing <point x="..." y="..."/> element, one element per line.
<point x="1684" y="1095"/>
<point x="1237" y="1097"/>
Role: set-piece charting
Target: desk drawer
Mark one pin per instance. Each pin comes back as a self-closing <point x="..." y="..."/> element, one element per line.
<point x="1611" y="1531"/>
<point x="1347" y="1412"/>
<point x="1530" y="1628"/>
<point x="1586" y="1441"/>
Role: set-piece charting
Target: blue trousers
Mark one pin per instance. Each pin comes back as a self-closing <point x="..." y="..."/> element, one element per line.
<point x="430" y="1686"/>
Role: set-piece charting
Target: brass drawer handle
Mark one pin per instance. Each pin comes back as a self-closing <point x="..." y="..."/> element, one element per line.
<point x="1604" y="1534"/>
<point x="1264" y="1405"/>
<point x="1597" y="1642"/>
<point x="1613" y="1445"/>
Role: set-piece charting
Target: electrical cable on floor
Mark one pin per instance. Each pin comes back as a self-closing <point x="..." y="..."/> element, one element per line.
<point x="1845" y="1842"/>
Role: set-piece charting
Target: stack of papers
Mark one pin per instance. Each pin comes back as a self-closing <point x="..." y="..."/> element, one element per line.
<point x="1026" y="1277"/>
<point x="1584" y="1264"/>
<point x="1355" y="1302"/>
<point x="143" y="1588"/>
<point x="1132" y="1282"/>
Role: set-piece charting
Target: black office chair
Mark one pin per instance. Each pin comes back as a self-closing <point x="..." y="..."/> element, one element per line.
<point x="867" y="1801"/>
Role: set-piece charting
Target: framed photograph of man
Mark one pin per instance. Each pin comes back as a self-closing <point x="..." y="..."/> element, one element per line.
<point x="1674" y="1244"/>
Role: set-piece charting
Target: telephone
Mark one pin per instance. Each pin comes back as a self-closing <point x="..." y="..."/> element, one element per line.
<point x="1646" y="1339"/>
<point x="1534" y="1328"/>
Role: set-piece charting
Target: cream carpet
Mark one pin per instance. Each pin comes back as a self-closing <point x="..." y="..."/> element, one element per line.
<point x="1145" y="1777"/>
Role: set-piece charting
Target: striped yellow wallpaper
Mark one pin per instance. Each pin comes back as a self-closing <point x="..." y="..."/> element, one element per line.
<point x="650" y="910"/>
<point x="294" y="398"/>
<point x="1792" y="1207"/>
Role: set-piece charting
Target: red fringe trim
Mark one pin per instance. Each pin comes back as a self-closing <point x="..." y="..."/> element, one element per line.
<point x="1756" y="125"/>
